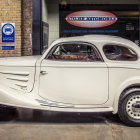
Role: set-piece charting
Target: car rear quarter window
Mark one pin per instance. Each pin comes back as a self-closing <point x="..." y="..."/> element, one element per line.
<point x="119" y="53"/>
<point x="75" y="52"/>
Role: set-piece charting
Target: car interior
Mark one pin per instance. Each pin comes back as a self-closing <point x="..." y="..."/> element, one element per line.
<point x="76" y="52"/>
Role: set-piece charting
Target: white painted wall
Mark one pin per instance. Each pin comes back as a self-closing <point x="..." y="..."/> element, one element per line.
<point x="44" y="11"/>
<point x="53" y="20"/>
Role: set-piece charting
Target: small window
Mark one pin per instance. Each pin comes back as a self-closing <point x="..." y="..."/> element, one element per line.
<point x="119" y="53"/>
<point x="75" y="52"/>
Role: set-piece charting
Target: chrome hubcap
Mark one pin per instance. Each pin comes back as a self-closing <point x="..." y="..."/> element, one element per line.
<point x="133" y="107"/>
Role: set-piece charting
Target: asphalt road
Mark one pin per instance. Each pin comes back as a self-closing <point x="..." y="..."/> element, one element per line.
<point x="65" y="126"/>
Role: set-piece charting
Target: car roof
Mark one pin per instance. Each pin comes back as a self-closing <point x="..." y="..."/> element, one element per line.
<point x="95" y="38"/>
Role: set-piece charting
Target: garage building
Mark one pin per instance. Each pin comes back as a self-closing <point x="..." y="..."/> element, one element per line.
<point x="39" y="22"/>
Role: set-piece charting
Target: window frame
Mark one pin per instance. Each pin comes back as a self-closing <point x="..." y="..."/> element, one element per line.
<point x="74" y="42"/>
<point x="121" y="45"/>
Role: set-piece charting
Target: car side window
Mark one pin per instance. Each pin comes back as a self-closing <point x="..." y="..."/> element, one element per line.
<point x="75" y="52"/>
<point x="119" y="53"/>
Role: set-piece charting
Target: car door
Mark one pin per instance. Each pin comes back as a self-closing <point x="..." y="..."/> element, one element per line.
<point x="74" y="73"/>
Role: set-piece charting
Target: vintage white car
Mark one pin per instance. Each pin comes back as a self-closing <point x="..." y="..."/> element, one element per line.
<point x="92" y="73"/>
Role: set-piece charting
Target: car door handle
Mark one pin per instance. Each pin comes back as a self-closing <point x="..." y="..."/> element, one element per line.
<point x="43" y="72"/>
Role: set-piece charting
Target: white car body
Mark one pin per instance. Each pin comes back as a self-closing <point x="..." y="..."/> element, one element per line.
<point x="38" y="83"/>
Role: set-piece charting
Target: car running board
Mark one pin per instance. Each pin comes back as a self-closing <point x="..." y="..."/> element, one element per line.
<point x="54" y="104"/>
<point x="62" y="105"/>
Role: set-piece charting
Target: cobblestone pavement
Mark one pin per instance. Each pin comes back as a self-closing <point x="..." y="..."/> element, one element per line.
<point x="65" y="126"/>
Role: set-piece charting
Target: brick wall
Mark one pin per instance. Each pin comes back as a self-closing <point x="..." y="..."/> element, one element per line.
<point x="20" y="13"/>
<point x="10" y="12"/>
<point x="26" y="24"/>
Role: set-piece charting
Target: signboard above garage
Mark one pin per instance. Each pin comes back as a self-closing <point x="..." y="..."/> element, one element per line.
<point x="91" y="19"/>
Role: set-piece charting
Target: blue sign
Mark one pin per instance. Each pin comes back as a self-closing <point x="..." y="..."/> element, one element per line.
<point x="91" y="31"/>
<point x="8" y="32"/>
<point x="8" y="47"/>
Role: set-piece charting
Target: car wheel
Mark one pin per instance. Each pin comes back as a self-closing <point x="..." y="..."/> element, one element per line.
<point x="25" y="114"/>
<point x="129" y="107"/>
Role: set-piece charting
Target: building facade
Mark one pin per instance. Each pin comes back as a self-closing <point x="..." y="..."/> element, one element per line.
<point x="39" y="22"/>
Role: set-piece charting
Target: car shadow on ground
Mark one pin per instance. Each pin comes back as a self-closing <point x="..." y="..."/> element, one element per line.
<point x="7" y="115"/>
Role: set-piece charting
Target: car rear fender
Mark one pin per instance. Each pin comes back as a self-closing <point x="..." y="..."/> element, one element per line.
<point x="132" y="82"/>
